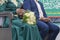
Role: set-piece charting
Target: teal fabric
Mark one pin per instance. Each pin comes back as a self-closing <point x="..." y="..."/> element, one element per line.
<point x="17" y="30"/>
<point x="23" y="31"/>
<point x="2" y="7"/>
<point x="20" y="3"/>
<point x="20" y="30"/>
<point x="31" y="32"/>
<point x="12" y="7"/>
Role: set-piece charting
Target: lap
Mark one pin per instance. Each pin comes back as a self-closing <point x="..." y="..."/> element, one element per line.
<point x="52" y="26"/>
<point x="42" y="25"/>
<point x="24" y="31"/>
<point x="47" y="25"/>
<point x="32" y="32"/>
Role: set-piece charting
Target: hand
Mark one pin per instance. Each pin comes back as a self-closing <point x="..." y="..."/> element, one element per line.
<point x="45" y="19"/>
<point x="20" y="11"/>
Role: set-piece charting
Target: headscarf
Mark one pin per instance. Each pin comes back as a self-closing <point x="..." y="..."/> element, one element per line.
<point x="2" y="2"/>
<point x="17" y="2"/>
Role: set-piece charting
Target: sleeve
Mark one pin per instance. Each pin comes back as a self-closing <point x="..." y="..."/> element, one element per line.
<point x="11" y="7"/>
<point x="45" y="15"/>
<point x="20" y="3"/>
<point x="26" y="5"/>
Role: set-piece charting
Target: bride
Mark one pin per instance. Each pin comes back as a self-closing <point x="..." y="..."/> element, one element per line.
<point x="20" y="30"/>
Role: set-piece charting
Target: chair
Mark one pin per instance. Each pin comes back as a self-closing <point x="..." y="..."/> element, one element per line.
<point x="55" y="19"/>
<point x="5" y="33"/>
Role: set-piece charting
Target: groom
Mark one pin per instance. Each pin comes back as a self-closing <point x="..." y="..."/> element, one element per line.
<point x="43" y="22"/>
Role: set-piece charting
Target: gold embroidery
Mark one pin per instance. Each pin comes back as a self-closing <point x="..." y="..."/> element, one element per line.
<point x="2" y="2"/>
<point x="15" y="2"/>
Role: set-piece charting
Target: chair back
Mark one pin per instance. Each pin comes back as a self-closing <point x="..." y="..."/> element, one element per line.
<point x="5" y="33"/>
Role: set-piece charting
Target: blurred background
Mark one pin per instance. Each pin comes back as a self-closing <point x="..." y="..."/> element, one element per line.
<point x="52" y="8"/>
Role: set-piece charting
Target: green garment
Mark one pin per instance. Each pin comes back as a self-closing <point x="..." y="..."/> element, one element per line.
<point x="20" y="30"/>
<point x="2" y="7"/>
<point x="23" y="31"/>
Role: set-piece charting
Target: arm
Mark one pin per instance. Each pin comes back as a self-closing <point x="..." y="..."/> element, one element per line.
<point x="30" y="5"/>
<point x="42" y="7"/>
<point x="45" y="18"/>
<point x="27" y="5"/>
<point x="20" y="3"/>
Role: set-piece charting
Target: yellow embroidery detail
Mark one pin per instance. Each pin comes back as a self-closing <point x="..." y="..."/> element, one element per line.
<point x="15" y="2"/>
<point x="2" y="2"/>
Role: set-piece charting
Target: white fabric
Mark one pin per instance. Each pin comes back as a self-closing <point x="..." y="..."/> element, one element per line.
<point x="2" y="2"/>
<point x="1" y="21"/>
<point x="39" y="9"/>
<point x="15" y="2"/>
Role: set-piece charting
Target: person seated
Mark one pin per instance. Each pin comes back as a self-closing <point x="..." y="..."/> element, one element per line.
<point x="20" y="30"/>
<point x="44" y="24"/>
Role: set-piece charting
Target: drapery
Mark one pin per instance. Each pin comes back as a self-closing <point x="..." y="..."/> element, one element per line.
<point x="20" y="30"/>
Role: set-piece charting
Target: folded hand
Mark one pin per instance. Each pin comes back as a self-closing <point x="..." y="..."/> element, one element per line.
<point x="45" y="19"/>
<point x="20" y="11"/>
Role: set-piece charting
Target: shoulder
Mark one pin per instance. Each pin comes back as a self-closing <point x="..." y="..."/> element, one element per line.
<point x="40" y="3"/>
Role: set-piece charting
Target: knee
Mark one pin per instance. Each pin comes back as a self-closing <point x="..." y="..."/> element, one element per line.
<point x="44" y="28"/>
<point x="56" y="29"/>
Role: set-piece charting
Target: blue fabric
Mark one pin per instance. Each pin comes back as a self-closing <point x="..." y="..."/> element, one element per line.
<point x="42" y="26"/>
<point x="46" y="28"/>
<point x="32" y="6"/>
